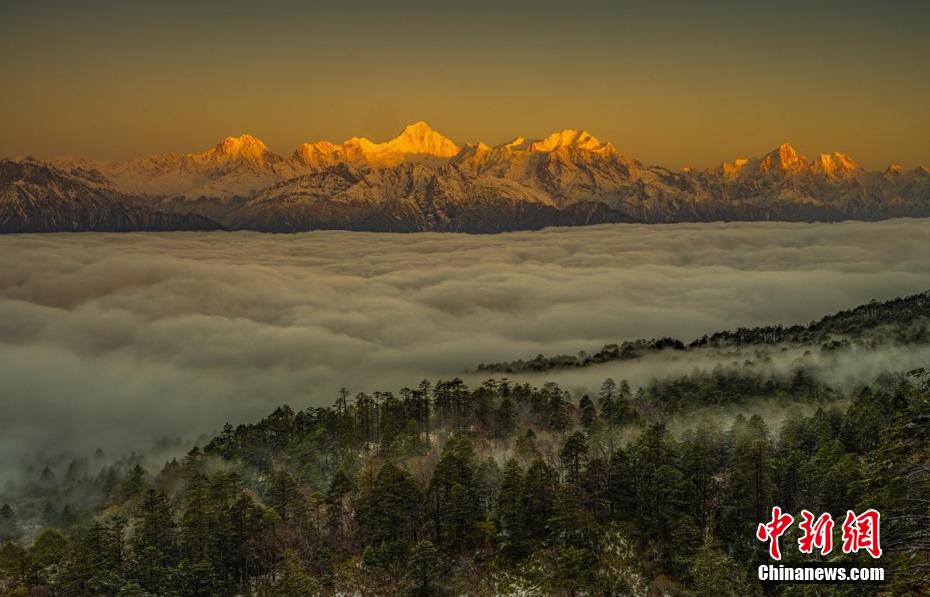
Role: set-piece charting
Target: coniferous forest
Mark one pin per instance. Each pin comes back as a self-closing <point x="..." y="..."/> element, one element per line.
<point x="464" y="299"/>
<point x="506" y="487"/>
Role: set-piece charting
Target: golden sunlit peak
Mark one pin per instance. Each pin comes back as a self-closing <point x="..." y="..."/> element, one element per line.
<point x="364" y="143"/>
<point x="243" y="145"/>
<point x="419" y="137"/>
<point x="783" y="158"/>
<point x="785" y="149"/>
<point x="317" y="147"/>
<point x="571" y="138"/>
<point x="734" y="168"/>
<point x="835" y="164"/>
<point x="319" y="154"/>
<point x="416" y="141"/>
<point x="418" y="127"/>
<point x="478" y="147"/>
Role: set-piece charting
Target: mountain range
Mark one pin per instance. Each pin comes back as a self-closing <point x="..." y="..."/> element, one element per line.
<point x="423" y="181"/>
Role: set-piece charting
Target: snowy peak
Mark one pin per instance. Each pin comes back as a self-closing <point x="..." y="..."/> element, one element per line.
<point x="570" y="138"/>
<point x="521" y="157"/>
<point x="782" y="159"/>
<point x="420" y="180"/>
<point x="317" y="155"/>
<point x="244" y="146"/>
<point x="733" y="169"/>
<point x="474" y="150"/>
<point x="565" y="167"/>
<point x="419" y="138"/>
<point x="363" y="144"/>
<point x="834" y="165"/>
<point x="416" y="141"/>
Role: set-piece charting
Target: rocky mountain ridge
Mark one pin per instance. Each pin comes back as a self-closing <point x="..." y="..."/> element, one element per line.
<point x="421" y="180"/>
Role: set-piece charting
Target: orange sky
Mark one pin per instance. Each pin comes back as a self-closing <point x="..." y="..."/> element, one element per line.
<point x="672" y="83"/>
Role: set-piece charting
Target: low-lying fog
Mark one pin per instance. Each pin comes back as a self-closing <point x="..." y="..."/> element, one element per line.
<point x="117" y="339"/>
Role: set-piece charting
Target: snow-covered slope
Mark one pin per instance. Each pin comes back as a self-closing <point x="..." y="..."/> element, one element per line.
<point x="235" y="167"/>
<point x="416" y="143"/>
<point x="421" y="180"/>
<point x="38" y="197"/>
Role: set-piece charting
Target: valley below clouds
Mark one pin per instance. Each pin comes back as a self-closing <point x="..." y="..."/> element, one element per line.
<point x="116" y="340"/>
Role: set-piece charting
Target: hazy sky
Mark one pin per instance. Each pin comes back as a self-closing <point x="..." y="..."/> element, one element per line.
<point x="676" y="83"/>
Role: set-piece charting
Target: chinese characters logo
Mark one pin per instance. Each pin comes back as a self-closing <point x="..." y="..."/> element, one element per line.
<point x="859" y="532"/>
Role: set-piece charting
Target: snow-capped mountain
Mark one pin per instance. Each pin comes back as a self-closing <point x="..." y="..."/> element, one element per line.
<point x="416" y="143"/>
<point x="235" y="167"/>
<point x="421" y="180"/>
<point x="38" y="197"/>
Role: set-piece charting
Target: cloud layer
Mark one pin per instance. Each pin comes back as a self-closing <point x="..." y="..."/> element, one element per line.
<point x="113" y="340"/>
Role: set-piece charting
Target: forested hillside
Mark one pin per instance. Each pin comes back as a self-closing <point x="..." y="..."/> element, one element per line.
<point x="903" y="320"/>
<point x="498" y="489"/>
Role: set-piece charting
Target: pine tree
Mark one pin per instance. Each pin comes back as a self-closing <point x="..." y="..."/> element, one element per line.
<point x="659" y="489"/>
<point x="154" y="545"/>
<point x="623" y="409"/>
<point x="200" y="565"/>
<point x="292" y="579"/>
<point x="284" y="496"/>
<point x="422" y="572"/>
<point x="43" y="556"/>
<point x="573" y="571"/>
<point x="715" y="573"/>
<point x="134" y="483"/>
<point x="505" y="419"/>
<point x="750" y="494"/>
<point x="453" y="497"/>
<point x="525" y="446"/>
<point x="338" y="510"/>
<point x="595" y="488"/>
<point x="621" y="485"/>
<point x="388" y="513"/>
<point x="8" y="527"/>
<point x="537" y="500"/>
<point x="510" y="518"/>
<point x="487" y="484"/>
<point x="95" y="565"/>
<point x="588" y="414"/>
<point x="896" y="479"/>
<point x="702" y="451"/>
<point x="559" y="418"/>
<point x="14" y="564"/>
<point x="572" y="455"/>
<point x="607" y="399"/>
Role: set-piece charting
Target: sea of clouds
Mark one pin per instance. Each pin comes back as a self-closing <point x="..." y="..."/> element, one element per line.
<point x="118" y="339"/>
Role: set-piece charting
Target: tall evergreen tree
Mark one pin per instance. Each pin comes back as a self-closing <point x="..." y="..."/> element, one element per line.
<point x="388" y="513"/>
<point x="96" y="563"/>
<point x="537" y="500"/>
<point x="453" y="496"/>
<point x="422" y="571"/>
<point x="505" y="418"/>
<point x="154" y="545"/>
<point x="8" y="527"/>
<point x="588" y="414"/>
